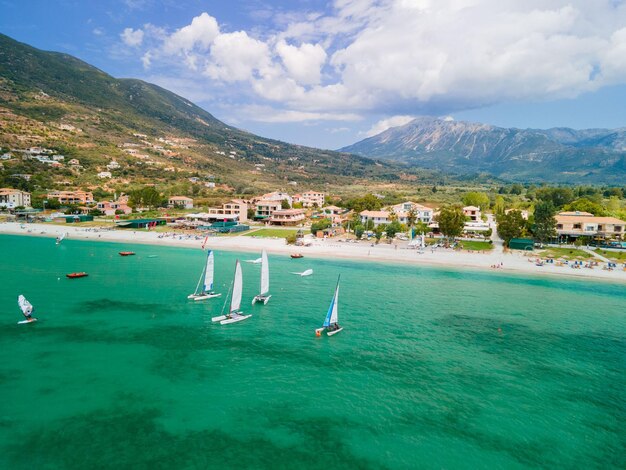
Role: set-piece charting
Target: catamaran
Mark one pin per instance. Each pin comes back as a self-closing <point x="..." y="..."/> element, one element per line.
<point x="308" y="272"/>
<point x="330" y="322"/>
<point x="234" y="314"/>
<point x="265" y="281"/>
<point x="206" y="280"/>
<point x="27" y="309"/>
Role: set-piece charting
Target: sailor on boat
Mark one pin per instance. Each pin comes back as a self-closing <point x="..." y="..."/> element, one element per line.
<point x="27" y="309"/>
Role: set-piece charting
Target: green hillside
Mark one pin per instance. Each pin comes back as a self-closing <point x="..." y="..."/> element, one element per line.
<point x="58" y="102"/>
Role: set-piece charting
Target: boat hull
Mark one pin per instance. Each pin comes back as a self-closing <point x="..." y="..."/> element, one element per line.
<point x="203" y="296"/>
<point x="76" y="275"/>
<point x="24" y="322"/>
<point x="220" y="318"/>
<point x="334" y="332"/>
<point x="234" y="319"/>
<point x="319" y="331"/>
<point x="127" y="253"/>
<point x="261" y="298"/>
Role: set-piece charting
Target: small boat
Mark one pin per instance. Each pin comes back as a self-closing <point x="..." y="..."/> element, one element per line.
<point x="206" y="280"/>
<point x="127" y="253"/>
<point x="76" y="275"/>
<point x="234" y="314"/>
<point x="27" y="310"/>
<point x="308" y="272"/>
<point x="297" y="256"/>
<point x="265" y="281"/>
<point x="60" y="238"/>
<point x="330" y="322"/>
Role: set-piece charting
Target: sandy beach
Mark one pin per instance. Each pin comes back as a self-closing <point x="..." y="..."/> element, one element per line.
<point x="507" y="262"/>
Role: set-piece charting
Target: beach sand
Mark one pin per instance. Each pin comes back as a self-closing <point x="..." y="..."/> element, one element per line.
<point x="507" y="262"/>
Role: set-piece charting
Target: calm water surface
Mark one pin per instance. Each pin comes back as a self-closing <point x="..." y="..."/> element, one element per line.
<point x="434" y="369"/>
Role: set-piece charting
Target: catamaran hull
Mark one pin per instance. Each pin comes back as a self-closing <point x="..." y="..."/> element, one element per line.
<point x="234" y="319"/>
<point x="261" y="298"/>
<point x="334" y="332"/>
<point x="319" y="331"/>
<point x="203" y="296"/>
<point x="220" y="318"/>
<point x="23" y="322"/>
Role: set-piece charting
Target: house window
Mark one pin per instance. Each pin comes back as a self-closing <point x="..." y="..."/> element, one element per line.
<point x="618" y="228"/>
<point x="577" y="226"/>
<point x="559" y="226"/>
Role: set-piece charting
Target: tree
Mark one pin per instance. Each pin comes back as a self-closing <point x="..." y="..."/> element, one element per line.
<point x="511" y="225"/>
<point x="584" y="204"/>
<point x="147" y="196"/>
<point x="393" y="216"/>
<point x="545" y="223"/>
<point x="378" y="232"/>
<point x="284" y="204"/>
<point x="411" y="217"/>
<point x="451" y="221"/>
<point x="476" y="199"/>
<point x="558" y="196"/>
<point x="369" y="202"/>
<point x="499" y="206"/>
<point x="517" y="189"/>
<point x="320" y="225"/>
<point x="358" y="231"/>
<point x="393" y="228"/>
<point x="421" y="227"/>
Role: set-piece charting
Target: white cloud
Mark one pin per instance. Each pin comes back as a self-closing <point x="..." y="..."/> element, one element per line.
<point x="98" y="31"/>
<point x="269" y="114"/>
<point x="303" y="63"/>
<point x="131" y="37"/>
<point x="400" y="57"/>
<point x="385" y="124"/>
<point x="236" y="57"/>
<point x="199" y="34"/>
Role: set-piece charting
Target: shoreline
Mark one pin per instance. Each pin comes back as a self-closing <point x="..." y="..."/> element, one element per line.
<point x="512" y="262"/>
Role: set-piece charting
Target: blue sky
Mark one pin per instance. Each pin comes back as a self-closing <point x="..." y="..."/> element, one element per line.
<point x="329" y="73"/>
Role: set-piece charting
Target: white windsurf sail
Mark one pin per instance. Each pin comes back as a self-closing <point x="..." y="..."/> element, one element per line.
<point x="235" y="301"/>
<point x="208" y="272"/>
<point x="25" y="306"/>
<point x="331" y="316"/>
<point x="265" y="274"/>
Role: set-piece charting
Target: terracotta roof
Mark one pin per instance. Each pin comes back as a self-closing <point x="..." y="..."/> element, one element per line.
<point x="588" y="219"/>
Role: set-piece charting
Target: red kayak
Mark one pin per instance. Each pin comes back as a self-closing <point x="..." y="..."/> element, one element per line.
<point x="75" y="275"/>
<point x="127" y="253"/>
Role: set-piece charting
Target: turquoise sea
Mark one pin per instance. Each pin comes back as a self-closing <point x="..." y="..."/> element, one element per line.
<point x="435" y="368"/>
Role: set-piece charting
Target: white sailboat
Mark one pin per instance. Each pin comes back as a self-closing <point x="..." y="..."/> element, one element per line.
<point x="61" y="237"/>
<point x="27" y="309"/>
<point x="330" y="322"/>
<point x="234" y="314"/>
<point x="265" y="281"/>
<point x="206" y="280"/>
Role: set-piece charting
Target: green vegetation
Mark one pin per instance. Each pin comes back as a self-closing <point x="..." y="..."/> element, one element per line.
<point x="271" y="233"/>
<point x="511" y="225"/>
<point x="544" y="227"/>
<point x="565" y="253"/>
<point x="476" y="245"/>
<point x="451" y="221"/>
<point x="617" y="256"/>
<point x="320" y="225"/>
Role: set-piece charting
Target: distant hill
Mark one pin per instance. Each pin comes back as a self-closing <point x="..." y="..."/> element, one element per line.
<point x="556" y="155"/>
<point x="57" y="101"/>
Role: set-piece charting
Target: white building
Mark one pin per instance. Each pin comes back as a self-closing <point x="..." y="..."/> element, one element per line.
<point x="113" y="165"/>
<point x="310" y="199"/>
<point x="180" y="201"/>
<point x="104" y="174"/>
<point x="277" y="196"/>
<point x="422" y="213"/>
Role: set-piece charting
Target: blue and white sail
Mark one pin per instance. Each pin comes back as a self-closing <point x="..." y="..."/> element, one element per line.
<point x="331" y="316"/>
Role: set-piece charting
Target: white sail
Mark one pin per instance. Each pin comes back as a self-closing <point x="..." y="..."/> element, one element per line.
<point x="331" y="316"/>
<point x="208" y="272"/>
<point x="25" y="306"/>
<point x="265" y="274"/>
<point x="235" y="301"/>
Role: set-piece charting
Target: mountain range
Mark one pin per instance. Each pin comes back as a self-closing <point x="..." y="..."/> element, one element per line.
<point x="556" y="155"/>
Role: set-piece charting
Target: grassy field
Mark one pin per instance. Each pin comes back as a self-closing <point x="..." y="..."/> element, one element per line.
<point x="617" y="256"/>
<point x="271" y="233"/>
<point x="565" y="253"/>
<point x="476" y="245"/>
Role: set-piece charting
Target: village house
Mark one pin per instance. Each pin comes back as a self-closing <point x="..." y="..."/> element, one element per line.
<point x="473" y="213"/>
<point x="287" y="217"/>
<point x="104" y="174"/>
<point x="310" y="199"/>
<point x="180" y="202"/>
<point x="113" y="165"/>
<point x="381" y="217"/>
<point x="12" y="198"/>
<point x="72" y="197"/>
<point x="74" y="161"/>
<point x="111" y="207"/>
<point x="265" y="209"/>
<point x="422" y="213"/>
<point x="577" y="224"/>
<point x="277" y="196"/>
